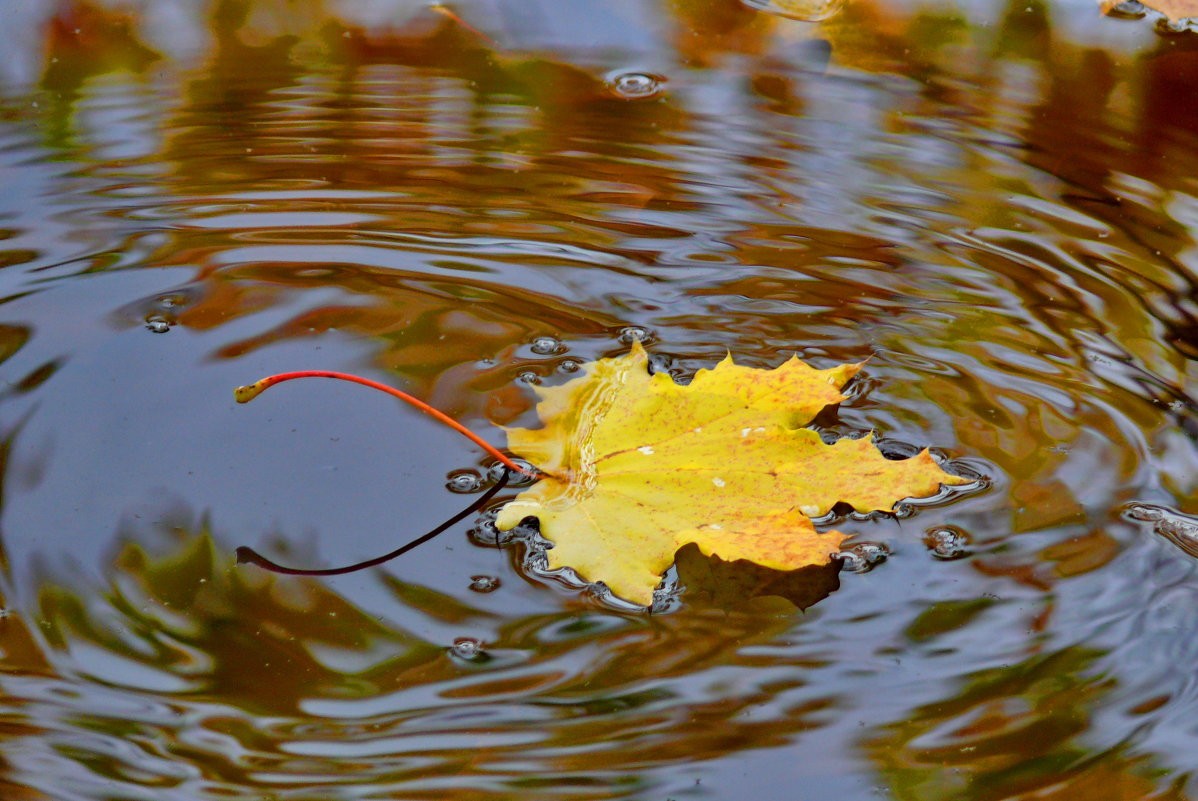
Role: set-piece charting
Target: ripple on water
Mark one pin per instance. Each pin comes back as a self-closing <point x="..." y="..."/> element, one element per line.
<point x="1006" y="238"/>
<point x="1179" y="529"/>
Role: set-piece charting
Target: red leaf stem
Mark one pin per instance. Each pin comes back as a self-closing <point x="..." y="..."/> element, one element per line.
<point x="247" y="393"/>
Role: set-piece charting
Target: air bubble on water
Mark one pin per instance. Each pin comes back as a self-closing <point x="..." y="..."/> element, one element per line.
<point x="863" y="557"/>
<point x="801" y="10"/>
<point x="947" y="543"/>
<point x="635" y="85"/>
<point x="568" y="366"/>
<point x="484" y="583"/>
<point x="547" y="346"/>
<point x="464" y="482"/>
<point x="485" y="533"/>
<point x="667" y="596"/>
<point x="1143" y="511"/>
<point x="634" y="333"/>
<point x="1131" y="9"/>
<point x="157" y="325"/>
<point x="661" y="363"/>
<point x="514" y="479"/>
<point x="1178" y="528"/>
<point x="468" y="649"/>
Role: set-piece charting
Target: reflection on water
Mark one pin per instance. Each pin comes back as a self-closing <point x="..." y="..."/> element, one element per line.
<point x="993" y="204"/>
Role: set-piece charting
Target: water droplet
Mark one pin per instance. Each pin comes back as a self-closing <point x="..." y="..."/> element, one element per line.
<point x="486" y="535"/>
<point x="661" y="363"/>
<point x="484" y="583"/>
<point x="1143" y="511"/>
<point x="863" y="557"/>
<point x="468" y="649"/>
<point x="569" y="366"/>
<point x="635" y="85"/>
<point x="495" y="472"/>
<point x="157" y="325"/>
<point x="528" y="377"/>
<point x="547" y="346"/>
<point x="464" y="482"/>
<point x="1180" y="529"/>
<point x="802" y="10"/>
<point x="634" y="333"/>
<point x="947" y="543"/>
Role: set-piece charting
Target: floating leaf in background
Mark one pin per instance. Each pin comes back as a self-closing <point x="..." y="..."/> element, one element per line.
<point x="637" y="466"/>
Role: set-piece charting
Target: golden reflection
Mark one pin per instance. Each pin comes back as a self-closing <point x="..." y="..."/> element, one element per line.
<point x="1001" y="218"/>
<point x="87" y="39"/>
<point x="277" y="680"/>
<point x="1015" y="732"/>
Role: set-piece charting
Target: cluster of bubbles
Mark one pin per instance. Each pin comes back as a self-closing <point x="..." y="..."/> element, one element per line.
<point x="944" y="543"/>
<point x="468" y="481"/>
<point x="1165" y="25"/>
<point x="547" y="346"/>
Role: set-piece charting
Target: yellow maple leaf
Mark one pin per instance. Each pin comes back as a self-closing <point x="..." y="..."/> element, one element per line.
<point x="636" y="466"/>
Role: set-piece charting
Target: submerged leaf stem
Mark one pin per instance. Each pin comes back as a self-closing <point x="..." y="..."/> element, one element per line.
<point x="247" y="555"/>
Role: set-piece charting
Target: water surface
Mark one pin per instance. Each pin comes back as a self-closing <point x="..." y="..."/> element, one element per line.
<point x="993" y="204"/>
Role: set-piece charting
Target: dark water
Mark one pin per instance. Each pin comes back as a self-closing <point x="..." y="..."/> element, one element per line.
<point x="995" y="204"/>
